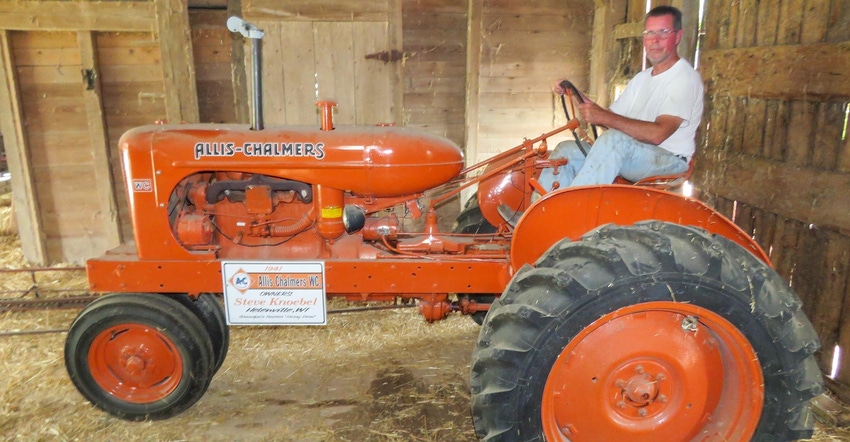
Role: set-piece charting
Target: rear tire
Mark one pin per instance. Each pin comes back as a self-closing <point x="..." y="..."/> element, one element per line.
<point x="472" y="221"/>
<point x="139" y="356"/>
<point x="637" y="333"/>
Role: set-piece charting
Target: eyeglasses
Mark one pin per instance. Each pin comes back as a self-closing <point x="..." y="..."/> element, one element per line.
<point x="662" y="33"/>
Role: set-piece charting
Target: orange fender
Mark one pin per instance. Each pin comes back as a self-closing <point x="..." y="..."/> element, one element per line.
<point x="572" y="212"/>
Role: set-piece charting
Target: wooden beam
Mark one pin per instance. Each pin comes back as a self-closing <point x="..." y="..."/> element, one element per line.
<point x="92" y="96"/>
<point x="46" y="15"/>
<point x="473" y="74"/>
<point x="178" y="66"/>
<point x="628" y="30"/>
<point x="312" y="10"/>
<point x="807" y="72"/>
<point x="27" y="211"/>
<point x="805" y="194"/>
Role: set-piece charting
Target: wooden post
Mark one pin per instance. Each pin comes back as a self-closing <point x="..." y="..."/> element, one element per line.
<point x="27" y="210"/>
<point x="604" y="51"/>
<point x="395" y="41"/>
<point x="178" y="66"/>
<point x="690" y="25"/>
<point x="473" y="74"/>
<point x="92" y="95"/>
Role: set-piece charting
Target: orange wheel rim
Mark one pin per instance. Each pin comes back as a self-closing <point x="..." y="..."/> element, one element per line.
<point x="135" y="363"/>
<point x="655" y="371"/>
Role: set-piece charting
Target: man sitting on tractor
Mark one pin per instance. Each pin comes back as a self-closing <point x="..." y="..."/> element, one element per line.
<point x="651" y="126"/>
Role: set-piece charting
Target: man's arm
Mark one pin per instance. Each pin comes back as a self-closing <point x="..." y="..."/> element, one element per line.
<point x="651" y="132"/>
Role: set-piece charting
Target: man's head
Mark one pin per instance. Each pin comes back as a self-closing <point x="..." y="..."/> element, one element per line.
<point x="661" y="35"/>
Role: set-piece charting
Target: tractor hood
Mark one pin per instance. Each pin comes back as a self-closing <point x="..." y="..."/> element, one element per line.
<point x="369" y="161"/>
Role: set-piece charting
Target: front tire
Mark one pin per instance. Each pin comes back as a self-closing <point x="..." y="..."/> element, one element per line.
<point x="211" y="313"/>
<point x="139" y="356"/>
<point x="644" y="333"/>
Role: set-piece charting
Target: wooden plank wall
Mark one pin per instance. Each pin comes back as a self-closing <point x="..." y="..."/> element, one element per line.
<point x="434" y="66"/>
<point x="133" y="95"/>
<point x="318" y="51"/>
<point x="53" y="114"/>
<point x="74" y="80"/>
<point x="775" y="156"/>
<point x="524" y="47"/>
<point x="211" y="45"/>
<point x="75" y="206"/>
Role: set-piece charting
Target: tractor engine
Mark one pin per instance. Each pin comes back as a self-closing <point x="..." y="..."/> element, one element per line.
<point x="230" y="190"/>
<point x="242" y="208"/>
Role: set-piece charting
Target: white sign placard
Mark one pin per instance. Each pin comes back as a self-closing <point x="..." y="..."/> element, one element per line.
<point x="274" y="293"/>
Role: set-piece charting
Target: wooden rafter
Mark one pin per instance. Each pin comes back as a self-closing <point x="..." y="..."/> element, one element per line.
<point x="46" y="15"/>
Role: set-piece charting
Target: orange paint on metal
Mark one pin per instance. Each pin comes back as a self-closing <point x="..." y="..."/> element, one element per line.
<point x="435" y="307"/>
<point x="135" y="363"/>
<point x="572" y="212"/>
<point x="655" y="379"/>
<point x="330" y="202"/>
<point x="505" y="178"/>
<point x="327" y="109"/>
<point x="126" y="272"/>
<point x="367" y="161"/>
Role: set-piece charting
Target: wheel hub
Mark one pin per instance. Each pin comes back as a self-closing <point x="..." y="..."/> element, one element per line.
<point x="135" y="363"/>
<point x="135" y="360"/>
<point x="639" y="389"/>
<point x="637" y="374"/>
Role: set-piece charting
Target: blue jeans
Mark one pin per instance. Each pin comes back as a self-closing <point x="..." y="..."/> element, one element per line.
<point x="614" y="153"/>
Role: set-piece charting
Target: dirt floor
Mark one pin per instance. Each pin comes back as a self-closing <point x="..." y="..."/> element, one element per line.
<point x="375" y="376"/>
<point x="372" y="376"/>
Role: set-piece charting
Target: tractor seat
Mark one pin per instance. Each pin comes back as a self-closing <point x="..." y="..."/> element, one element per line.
<point x="665" y="182"/>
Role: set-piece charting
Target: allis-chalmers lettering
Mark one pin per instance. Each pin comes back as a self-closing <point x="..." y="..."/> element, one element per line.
<point x="250" y="149"/>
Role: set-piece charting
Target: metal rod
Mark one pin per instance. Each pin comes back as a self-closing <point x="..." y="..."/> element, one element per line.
<point x="257" y="67"/>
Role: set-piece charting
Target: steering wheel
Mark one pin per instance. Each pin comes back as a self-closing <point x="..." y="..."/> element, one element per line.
<point x="580" y="134"/>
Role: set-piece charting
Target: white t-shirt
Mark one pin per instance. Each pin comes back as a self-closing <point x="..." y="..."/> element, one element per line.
<point x="678" y="91"/>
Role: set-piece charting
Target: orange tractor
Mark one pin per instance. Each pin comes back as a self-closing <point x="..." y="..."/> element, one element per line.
<point x="617" y="312"/>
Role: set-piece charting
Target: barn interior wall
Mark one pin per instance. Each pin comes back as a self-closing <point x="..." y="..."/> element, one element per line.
<point x="53" y="113"/>
<point x="74" y="81"/>
<point x="523" y="49"/>
<point x="775" y="157"/>
<point x="434" y="66"/>
<point x="211" y="49"/>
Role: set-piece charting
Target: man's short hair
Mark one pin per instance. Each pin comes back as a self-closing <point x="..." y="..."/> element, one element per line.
<point x="660" y="11"/>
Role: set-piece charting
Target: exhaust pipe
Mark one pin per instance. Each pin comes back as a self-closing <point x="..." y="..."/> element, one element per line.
<point x="236" y="24"/>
